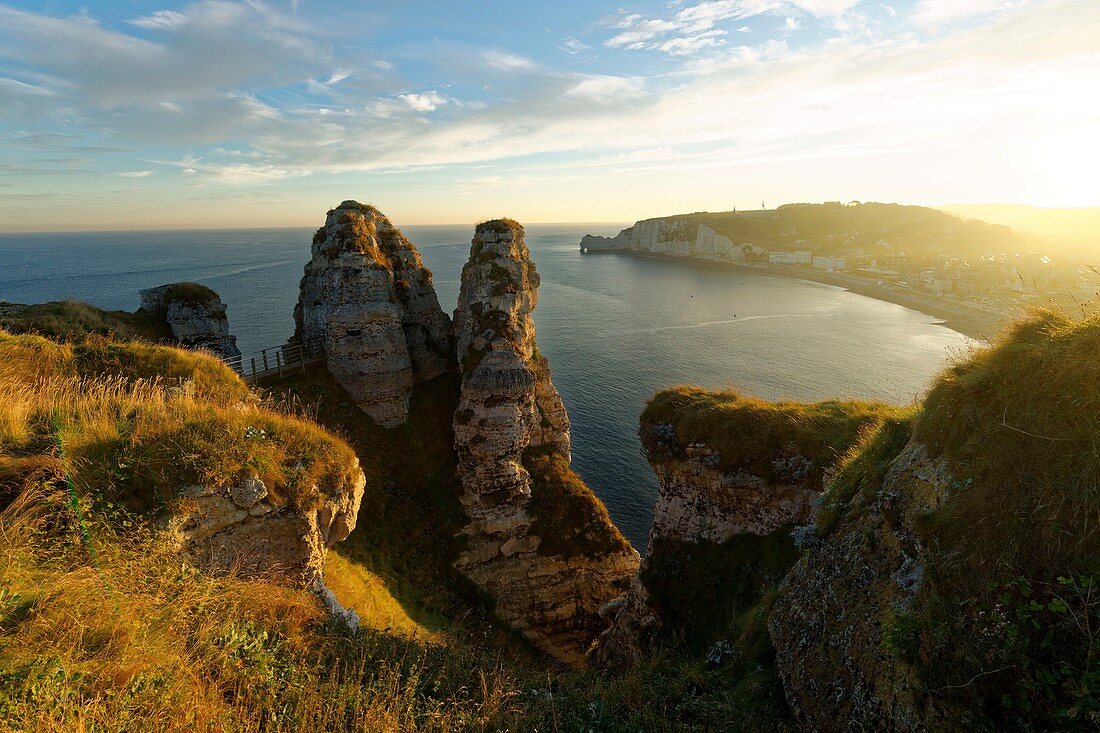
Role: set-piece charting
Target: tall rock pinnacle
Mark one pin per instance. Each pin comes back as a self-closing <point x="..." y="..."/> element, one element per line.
<point x="367" y="295"/>
<point x="540" y="543"/>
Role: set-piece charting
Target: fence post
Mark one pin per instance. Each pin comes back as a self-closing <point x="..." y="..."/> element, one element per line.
<point x="264" y="355"/>
<point x="279" y="362"/>
<point x="253" y="369"/>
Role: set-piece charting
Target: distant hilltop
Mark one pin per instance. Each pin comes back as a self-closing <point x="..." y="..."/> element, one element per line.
<point x="901" y="252"/>
<point x="855" y="231"/>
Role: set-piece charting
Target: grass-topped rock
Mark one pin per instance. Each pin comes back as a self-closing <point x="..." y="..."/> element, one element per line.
<point x="737" y="474"/>
<point x="175" y="435"/>
<point x="955" y="587"/>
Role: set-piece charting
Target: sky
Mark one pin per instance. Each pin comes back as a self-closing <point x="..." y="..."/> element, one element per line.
<point x="219" y="113"/>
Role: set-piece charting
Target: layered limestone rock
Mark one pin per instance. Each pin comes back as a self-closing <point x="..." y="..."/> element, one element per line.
<point x="367" y="297"/>
<point x="700" y="502"/>
<point x="195" y="314"/>
<point x="240" y="528"/>
<point x="539" y="542"/>
<point x="675" y="237"/>
<point x="831" y="619"/>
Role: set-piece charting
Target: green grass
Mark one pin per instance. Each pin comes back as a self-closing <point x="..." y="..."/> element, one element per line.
<point x="191" y="294"/>
<point x="1011" y="600"/>
<point x="1020" y="426"/>
<point x="861" y="470"/>
<point x="565" y="514"/>
<point x="750" y="434"/>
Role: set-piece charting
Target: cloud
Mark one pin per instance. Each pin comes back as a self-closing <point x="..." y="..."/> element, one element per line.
<point x="426" y="102"/>
<point x="135" y="174"/>
<point x="937" y="13"/>
<point x="215" y="46"/>
<point x="160" y="20"/>
<point x="694" y="27"/>
<point x="572" y="46"/>
<point x="735" y="104"/>
<point x="504" y="61"/>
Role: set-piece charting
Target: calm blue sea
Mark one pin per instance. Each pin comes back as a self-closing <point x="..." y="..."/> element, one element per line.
<point x="614" y="329"/>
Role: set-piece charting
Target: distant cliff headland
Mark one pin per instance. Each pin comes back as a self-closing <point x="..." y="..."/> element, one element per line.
<point x="972" y="275"/>
<point x="390" y="537"/>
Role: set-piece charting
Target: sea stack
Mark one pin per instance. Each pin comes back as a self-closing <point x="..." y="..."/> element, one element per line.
<point x="367" y="297"/>
<point x="539" y="541"/>
<point x="195" y="314"/>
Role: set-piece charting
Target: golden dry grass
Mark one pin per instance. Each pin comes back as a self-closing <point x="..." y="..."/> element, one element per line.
<point x="127" y="432"/>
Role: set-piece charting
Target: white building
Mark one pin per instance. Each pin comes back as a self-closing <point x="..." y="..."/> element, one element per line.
<point x="829" y="263"/>
<point x="799" y="257"/>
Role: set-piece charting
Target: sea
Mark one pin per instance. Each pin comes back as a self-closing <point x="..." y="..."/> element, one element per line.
<point x="615" y="329"/>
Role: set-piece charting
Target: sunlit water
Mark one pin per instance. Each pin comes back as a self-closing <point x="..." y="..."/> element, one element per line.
<point x="614" y="329"/>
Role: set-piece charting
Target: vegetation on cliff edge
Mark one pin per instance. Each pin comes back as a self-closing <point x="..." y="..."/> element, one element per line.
<point x="72" y="320"/>
<point x="781" y="442"/>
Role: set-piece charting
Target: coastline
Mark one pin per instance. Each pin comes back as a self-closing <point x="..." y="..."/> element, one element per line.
<point x="980" y="324"/>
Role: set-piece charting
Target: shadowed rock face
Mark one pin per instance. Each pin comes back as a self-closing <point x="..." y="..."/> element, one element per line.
<point x="830" y="620"/>
<point x="195" y="314"/>
<point x="509" y="408"/>
<point x="239" y="528"/>
<point x="367" y="295"/>
<point x="698" y="504"/>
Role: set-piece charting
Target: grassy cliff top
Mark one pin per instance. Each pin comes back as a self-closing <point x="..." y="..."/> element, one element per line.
<point x="503" y="225"/>
<point x="1019" y="423"/>
<point x="72" y="320"/>
<point x="757" y="436"/>
<point x="565" y="513"/>
<point x="136" y="422"/>
<point x="190" y="293"/>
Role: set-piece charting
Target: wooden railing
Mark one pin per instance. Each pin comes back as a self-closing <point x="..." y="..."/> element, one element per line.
<point x="278" y="361"/>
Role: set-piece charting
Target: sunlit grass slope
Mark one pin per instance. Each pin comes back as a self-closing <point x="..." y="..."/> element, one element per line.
<point x="104" y="627"/>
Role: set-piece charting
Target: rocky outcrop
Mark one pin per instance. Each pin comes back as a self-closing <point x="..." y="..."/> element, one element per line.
<point x="669" y="237"/>
<point x="367" y="297"/>
<point x="512" y="441"/>
<point x="700" y="502"/>
<point x="839" y="614"/>
<point x="195" y="314"/>
<point x="241" y="528"/>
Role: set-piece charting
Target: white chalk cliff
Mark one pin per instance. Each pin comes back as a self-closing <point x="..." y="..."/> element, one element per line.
<point x="671" y="237"/>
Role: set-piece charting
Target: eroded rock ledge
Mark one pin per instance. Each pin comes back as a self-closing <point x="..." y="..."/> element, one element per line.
<point x="539" y="542"/>
<point x="241" y="528"/>
<point x="368" y="297"/>
<point x="736" y="476"/>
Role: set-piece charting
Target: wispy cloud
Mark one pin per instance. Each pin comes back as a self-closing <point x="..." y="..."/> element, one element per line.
<point x="161" y="20"/>
<point x="135" y="174"/>
<point x="939" y="13"/>
<point x="693" y="27"/>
